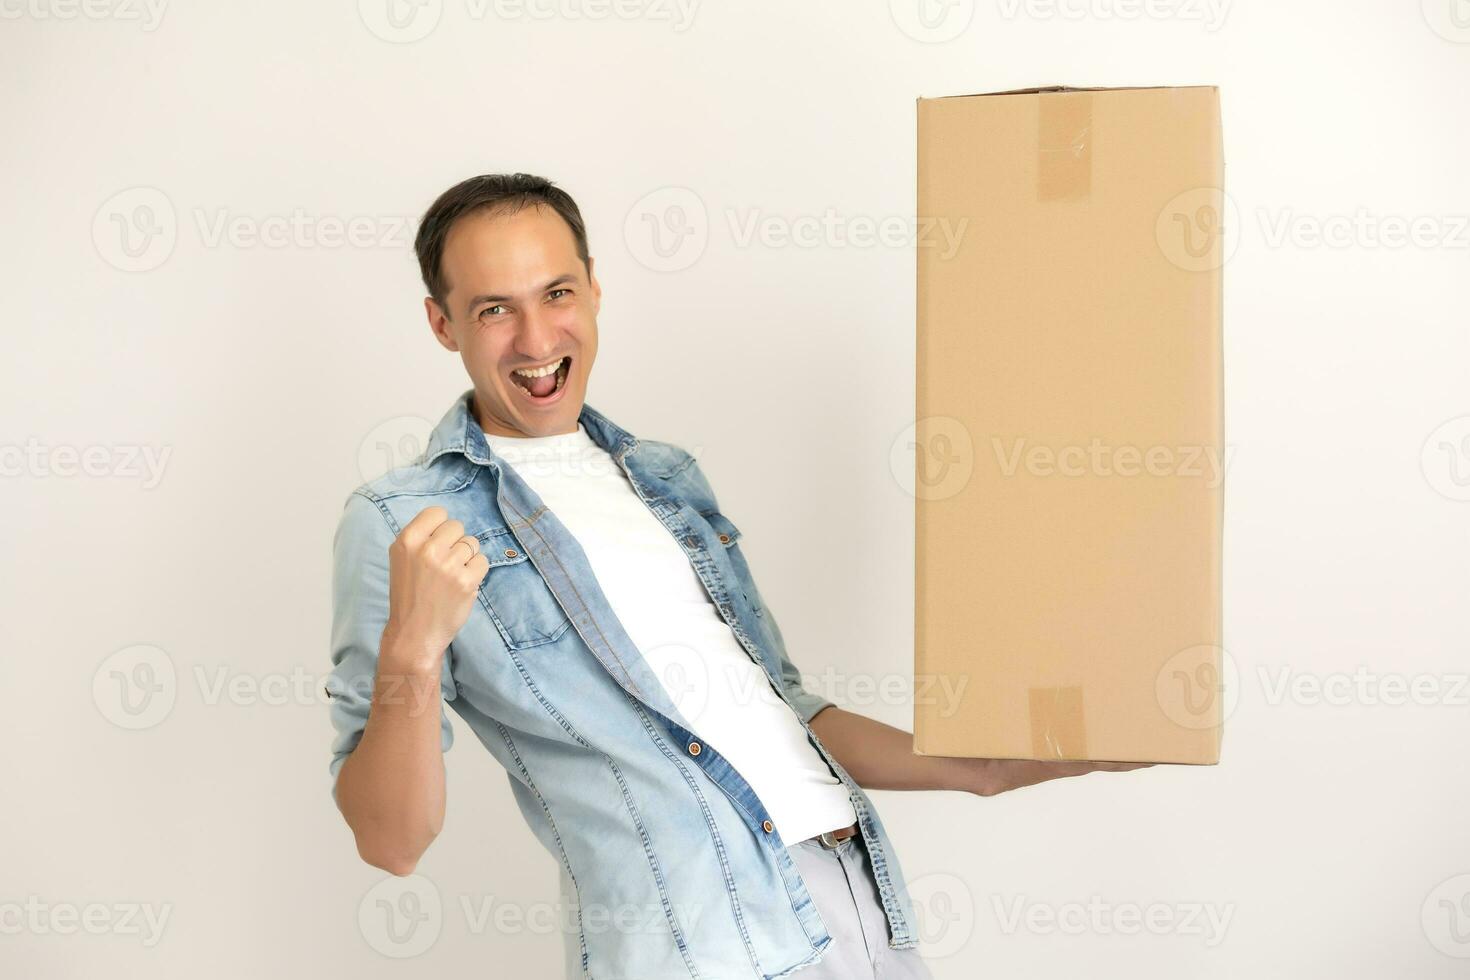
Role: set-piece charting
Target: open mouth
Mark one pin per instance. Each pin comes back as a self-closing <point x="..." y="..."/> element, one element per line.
<point x="542" y="384"/>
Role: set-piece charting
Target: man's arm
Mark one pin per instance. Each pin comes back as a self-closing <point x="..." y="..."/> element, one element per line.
<point x="397" y="603"/>
<point x="390" y="789"/>
<point x="879" y="756"/>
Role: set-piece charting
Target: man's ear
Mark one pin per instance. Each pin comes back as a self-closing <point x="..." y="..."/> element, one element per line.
<point x="596" y="287"/>
<point x="439" y="324"/>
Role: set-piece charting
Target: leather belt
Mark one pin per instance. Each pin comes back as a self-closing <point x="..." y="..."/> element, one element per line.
<point x="831" y="838"/>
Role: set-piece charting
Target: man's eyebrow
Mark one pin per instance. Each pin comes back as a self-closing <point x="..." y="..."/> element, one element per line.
<point x="496" y="298"/>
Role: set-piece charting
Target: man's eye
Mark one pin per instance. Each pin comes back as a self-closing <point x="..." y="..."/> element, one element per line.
<point x="554" y="293"/>
<point x="491" y="309"/>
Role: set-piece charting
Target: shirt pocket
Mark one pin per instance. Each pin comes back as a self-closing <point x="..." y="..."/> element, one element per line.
<point x="515" y="595"/>
<point x="728" y="535"/>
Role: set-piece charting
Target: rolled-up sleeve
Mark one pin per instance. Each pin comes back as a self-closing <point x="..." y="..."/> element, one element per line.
<point x="807" y="704"/>
<point x="359" y="614"/>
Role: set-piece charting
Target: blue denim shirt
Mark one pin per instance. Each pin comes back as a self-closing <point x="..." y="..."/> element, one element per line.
<point x="602" y="765"/>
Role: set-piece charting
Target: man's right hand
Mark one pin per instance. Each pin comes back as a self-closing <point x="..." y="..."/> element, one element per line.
<point x="434" y="571"/>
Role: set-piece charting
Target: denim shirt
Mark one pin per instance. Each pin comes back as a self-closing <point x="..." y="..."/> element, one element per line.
<point x="657" y="835"/>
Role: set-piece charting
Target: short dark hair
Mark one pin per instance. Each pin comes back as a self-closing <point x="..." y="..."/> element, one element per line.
<point x="494" y="192"/>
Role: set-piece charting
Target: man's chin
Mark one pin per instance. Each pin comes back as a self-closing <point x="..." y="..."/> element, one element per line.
<point x="555" y="419"/>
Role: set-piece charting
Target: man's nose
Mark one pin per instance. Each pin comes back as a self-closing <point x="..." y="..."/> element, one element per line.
<point x="538" y="335"/>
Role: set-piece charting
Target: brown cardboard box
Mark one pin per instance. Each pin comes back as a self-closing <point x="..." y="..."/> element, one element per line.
<point x="1069" y="479"/>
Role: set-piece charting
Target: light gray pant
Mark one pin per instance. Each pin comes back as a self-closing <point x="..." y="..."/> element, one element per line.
<point x="841" y="883"/>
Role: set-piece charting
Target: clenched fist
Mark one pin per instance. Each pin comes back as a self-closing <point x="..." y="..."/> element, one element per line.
<point x="434" y="570"/>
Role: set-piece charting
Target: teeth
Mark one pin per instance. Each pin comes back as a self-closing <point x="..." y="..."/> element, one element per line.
<point x="540" y="372"/>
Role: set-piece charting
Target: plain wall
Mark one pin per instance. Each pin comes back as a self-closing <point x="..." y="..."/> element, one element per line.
<point x="263" y="376"/>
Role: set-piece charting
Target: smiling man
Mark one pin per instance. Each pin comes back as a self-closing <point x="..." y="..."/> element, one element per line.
<point x="581" y="599"/>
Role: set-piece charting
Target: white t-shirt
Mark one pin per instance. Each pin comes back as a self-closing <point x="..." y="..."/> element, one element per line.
<point x="660" y="601"/>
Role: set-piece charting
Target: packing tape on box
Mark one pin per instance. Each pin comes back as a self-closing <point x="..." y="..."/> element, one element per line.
<point x="1064" y="146"/>
<point x="1058" y="725"/>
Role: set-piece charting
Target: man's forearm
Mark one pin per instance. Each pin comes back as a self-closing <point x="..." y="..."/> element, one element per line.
<point x="391" y="788"/>
<point x="880" y="756"/>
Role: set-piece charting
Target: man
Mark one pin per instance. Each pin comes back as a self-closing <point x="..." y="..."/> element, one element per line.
<point x="581" y="599"/>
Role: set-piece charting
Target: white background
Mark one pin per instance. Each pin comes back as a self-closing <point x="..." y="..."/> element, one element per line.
<point x="264" y="376"/>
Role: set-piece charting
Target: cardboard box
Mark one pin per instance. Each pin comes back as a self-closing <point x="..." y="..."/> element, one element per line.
<point x="1069" y="435"/>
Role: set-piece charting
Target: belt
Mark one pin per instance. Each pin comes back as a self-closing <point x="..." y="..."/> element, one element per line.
<point x="831" y="838"/>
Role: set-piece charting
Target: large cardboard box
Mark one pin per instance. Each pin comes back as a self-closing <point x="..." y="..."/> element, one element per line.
<point x="1069" y="435"/>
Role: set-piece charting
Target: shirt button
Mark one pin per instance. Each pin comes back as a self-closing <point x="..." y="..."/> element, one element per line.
<point x="724" y="539"/>
<point x="767" y="826"/>
<point x="694" y="748"/>
<point x="510" y="552"/>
